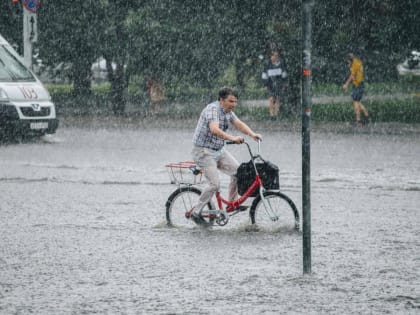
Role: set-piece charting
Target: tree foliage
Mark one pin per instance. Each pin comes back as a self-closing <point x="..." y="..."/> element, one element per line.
<point x="11" y="20"/>
<point x="193" y="43"/>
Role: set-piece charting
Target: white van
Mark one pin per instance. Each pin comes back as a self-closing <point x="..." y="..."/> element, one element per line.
<point x="25" y="104"/>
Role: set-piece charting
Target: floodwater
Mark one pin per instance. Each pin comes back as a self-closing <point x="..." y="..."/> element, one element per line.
<point x="82" y="229"/>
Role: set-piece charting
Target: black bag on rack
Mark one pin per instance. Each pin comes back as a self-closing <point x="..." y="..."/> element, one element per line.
<point x="268" y="171"/>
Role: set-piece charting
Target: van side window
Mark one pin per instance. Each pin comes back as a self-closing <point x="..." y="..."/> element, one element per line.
<point x="11" y="69"/>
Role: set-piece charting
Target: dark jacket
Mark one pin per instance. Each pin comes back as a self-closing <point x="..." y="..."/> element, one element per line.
<point x="274" y="77"/>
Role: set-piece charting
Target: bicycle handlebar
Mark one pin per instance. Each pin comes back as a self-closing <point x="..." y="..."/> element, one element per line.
<point x="249" y="148"/>
<point x="233" y="142"/>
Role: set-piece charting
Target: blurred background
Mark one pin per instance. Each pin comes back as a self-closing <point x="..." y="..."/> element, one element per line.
<point x="114" y="48"/>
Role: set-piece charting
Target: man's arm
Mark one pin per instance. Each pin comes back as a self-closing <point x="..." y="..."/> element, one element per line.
<point x="350" y="78"/>
<point x="265" y="78"/>
<point x="244" y="128"/>
<point x="215" y="130"/>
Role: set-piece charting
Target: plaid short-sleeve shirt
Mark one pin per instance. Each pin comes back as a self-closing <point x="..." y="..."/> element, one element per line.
<point x="202" y="135"/>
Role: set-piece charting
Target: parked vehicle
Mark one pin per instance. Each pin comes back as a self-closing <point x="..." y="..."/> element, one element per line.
<point x="411" y="66"/>
<point x="25" y="104"/>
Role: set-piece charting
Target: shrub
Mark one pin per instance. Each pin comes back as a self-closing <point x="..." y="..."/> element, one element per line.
<point x="393" y="110"/>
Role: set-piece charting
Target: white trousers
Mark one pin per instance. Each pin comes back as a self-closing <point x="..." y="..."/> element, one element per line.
<point x="210" y="162"/>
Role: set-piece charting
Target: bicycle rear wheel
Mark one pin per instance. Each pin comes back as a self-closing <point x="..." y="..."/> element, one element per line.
<point x="278" y="213"/>
<point x="181" y="201"/>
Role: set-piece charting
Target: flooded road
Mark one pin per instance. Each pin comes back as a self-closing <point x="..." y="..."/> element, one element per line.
<point x="82" y="229"/>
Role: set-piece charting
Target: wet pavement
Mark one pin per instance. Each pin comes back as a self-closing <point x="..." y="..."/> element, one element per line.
<point x="83" y="228"/>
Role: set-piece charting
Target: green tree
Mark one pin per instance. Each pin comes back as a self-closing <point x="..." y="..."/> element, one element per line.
<point x="11" y="23"/>
<point x="176" y="41"/>
<point x="71" y="33"/>
<point x="186" y="43"/>
<point x="115" y="42"/>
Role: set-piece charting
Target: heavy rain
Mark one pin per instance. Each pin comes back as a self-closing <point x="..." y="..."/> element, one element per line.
<point x="82" y="212"/>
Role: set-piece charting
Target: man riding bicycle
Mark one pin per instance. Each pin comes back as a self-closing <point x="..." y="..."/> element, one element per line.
<point x="208" y="150"/>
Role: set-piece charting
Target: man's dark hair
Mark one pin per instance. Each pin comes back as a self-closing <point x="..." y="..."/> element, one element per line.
<point x="225" y="91"/>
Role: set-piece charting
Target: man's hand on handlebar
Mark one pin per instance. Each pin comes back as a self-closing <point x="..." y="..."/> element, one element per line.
<point x="238" y="139"/>
<point x="257" y="137"/>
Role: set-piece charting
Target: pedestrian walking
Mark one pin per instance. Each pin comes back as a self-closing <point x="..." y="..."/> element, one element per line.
<point x="274" y="79"/>
<point x="356" y="78"/>
<point x="155" y="94"/>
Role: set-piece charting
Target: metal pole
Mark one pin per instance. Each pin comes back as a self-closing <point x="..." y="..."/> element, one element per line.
<point x="27" y="44"/>
<point x="306" y="130"/>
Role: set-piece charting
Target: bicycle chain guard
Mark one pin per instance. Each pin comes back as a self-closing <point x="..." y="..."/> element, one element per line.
<point x="223" y="218"/>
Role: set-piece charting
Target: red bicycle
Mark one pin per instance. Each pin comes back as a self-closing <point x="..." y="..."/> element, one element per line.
<point x="271" y="209"/>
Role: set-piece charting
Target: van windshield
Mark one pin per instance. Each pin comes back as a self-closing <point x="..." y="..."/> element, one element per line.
<point x="11" y="69"/>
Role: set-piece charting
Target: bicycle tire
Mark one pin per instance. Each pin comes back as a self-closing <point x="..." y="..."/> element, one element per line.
<point x="282" y="207"/>
<point x="181" y="201"/>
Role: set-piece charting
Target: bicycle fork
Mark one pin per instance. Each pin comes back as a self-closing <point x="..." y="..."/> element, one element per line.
<point x="267" y="206"/>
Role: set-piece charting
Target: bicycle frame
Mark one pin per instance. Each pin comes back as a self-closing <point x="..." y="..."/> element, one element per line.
<point x="224" y="209"/>
<point x="257" y="183"/>
<point x="231" y="205"/>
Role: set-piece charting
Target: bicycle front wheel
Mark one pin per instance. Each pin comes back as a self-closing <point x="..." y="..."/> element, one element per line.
<point x="181" y="201"/>
<point x="275" y="213"/>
